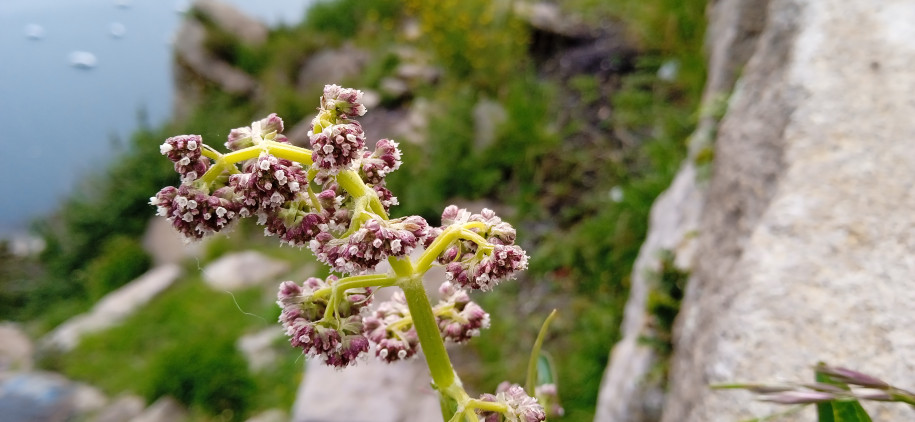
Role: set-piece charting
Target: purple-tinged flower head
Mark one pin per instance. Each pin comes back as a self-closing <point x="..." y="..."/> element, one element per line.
<point x="345" y="102"/>
<point x="496" y="231"/>
<point x="392" y="331"/>
<point x="195" y="213"/>
<point x="379" y="163"/>
<point x="374" y="241"/>
<point x="336" y="147"/>
<point x="302" y="299"/>
<point x="501" y="264"/>
<point x="336" y="215"/>
<point x="184" y="151"/>
<point x="458" y="318"/>
<point x="269" y="128"/>
<point x="852" y="377"/>
<point x="521" y="407"/>
<point x="500" y="258"/>
<point x="339" y="340"/>
<point x="269" y="182"/>
<point x="294" y="223"/>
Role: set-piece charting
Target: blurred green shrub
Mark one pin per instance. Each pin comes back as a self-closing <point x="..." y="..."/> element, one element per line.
<point x="345" y="18"/>
<point x="121" y="260"/>
<point x="476" y="41"/>
<point x="211" y="376"/>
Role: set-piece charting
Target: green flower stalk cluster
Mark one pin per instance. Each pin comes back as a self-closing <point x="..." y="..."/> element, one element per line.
<point x="333" y="199"/>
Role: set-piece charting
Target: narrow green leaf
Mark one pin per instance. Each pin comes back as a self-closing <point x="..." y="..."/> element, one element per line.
<point x="546" y="372"/>
<point x="534" y="360"/>
<point x="840" y="410"/>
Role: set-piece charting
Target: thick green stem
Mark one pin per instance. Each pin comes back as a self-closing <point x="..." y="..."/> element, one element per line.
<point x="403" y="267"/>
<point x="354" y="282"/>
<point x="225" y="161"/>
<point x="438" y="246"/>
<point x="353" y="184"/>
<point x="429" y="337"/>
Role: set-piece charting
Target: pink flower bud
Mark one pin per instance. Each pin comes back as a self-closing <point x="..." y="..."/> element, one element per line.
<point x="337" y="147"/>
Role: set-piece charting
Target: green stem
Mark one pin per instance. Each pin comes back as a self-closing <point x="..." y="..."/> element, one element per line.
<point x="439" y="245"/>
<point x="353" y="184"/>
<point x="535" y="354"/>
<point x="224" y="161"/>
<point x="354" y="282"/>
<point x="429" y="337"/>
<point x="403" y="267"/>
<point x="488" y="406"/>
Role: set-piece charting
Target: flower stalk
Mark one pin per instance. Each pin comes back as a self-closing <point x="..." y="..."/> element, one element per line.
<point x="333" y="199"/>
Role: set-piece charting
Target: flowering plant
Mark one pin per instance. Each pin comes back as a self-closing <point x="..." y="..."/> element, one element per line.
<point x="332" y="198"/>
<point x="836" y="393"/>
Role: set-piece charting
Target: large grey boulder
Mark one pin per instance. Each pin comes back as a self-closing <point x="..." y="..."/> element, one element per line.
<point x="371" y="391"/>
<point x="113" y="308"/>
<point x="228" y="18"/>
<point x="331" y="66"/>
<point x="166" y="246"/>
<point x="165" y="409"/>
<point x="122" y="409"/>
<point x="242" y="270"/>
<point x="628" y="391"/>
<point x="191" y="52"/>
<point x="46" y="397"/>
<point x="807" y="238"/>
<point x="16" y="349"/>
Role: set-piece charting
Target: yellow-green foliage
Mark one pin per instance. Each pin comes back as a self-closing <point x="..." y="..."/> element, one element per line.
<point x="479" y="41"/>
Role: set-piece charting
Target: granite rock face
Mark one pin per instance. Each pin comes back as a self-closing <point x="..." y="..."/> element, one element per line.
<point x="628" y="393"/>
<point x="805" y="247"/>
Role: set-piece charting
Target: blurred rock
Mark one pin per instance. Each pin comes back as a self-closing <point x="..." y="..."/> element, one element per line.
<point x="549" y="17"/>
<point x="225" y="16"/>
<point x="113" y="308"/>
<point x="331" y="67"/>
<point x="87" y="399"/>
<point x="259" y="348"/>
<point x="123" y="409"/>
<point x="394" y="87"/>
<point x="37" y="397"/>
<point x="26" y="245"/>
<point x="243" y="269"/>
<point x="488" y="115"/>
<point x="195" y="66"/>
<point x="16" y="349"/>
<point x="163" y="243"/>
<point x="806" y="239"/>
<point x="397" y="392"/>
<point x="166" y="409"/>
<point x="627" y="393"/>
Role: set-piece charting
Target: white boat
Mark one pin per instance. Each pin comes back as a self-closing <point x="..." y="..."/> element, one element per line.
<point x="34" y="31"/>
<point x="83" y="59"/>
<point x="117" y="29"/>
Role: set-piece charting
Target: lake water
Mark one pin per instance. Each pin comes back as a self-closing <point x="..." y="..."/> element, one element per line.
<point x="59" y="122"/>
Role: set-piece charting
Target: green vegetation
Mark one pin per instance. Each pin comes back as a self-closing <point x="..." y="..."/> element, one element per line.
<point x="578" y="159"/>
<point x="668" y="284"/>
<point x="183" y="345"/>
<point x="122" y="259"/>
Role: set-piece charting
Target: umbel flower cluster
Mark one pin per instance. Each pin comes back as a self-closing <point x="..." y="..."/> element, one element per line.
<point x="333" y="199"/>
